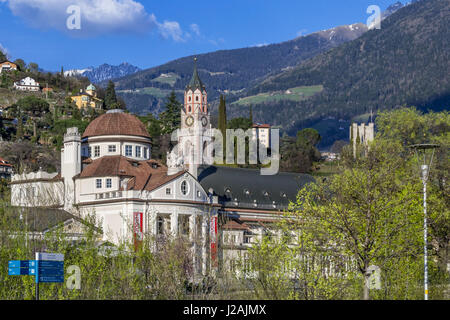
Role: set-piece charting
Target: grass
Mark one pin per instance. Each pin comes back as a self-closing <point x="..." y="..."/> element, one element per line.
<point x="168" y="78"/>
<point x="296" y="94"/>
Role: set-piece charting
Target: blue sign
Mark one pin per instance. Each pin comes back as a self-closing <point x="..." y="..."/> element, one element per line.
<point x="51" y="264"/>
<point x="18" y="271"/>
<point x="51" y="272"/>
<point x="51" y="278"/>
<point x="19" y="263"/>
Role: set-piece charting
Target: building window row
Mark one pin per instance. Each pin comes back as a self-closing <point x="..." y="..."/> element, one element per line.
<point x="99" y="183"/>
<point x="139" y="151"/>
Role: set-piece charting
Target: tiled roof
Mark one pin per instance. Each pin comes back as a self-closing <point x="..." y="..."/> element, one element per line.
<point x="116" y="123"/>
<point x="234" y="225"/>
<point x="144" y="175"/>
<point x="263" y="126"/>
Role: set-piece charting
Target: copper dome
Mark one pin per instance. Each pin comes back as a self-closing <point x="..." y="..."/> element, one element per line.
<point x="116" y="122"/>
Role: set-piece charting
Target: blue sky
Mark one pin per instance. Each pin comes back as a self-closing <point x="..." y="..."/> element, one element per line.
<point x="149" y="33"/>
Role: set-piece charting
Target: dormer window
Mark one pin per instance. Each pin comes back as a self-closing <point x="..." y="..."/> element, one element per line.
<point x="196" y="99"/>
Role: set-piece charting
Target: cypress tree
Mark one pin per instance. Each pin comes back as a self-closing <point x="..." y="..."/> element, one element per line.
<point x="110" y="96"/>
<point x="223" y="122"/>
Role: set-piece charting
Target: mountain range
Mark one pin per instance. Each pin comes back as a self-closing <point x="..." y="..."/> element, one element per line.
<point x="406" y="62"/>
<point x="323" y="80"/>
<point x="104" y="72"/>
<point x="227" y="72"/>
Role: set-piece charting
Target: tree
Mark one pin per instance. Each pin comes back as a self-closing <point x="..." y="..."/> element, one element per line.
<point x="369" y="213"/>
<point x="21" y="64"/>
<point x="171" y="117"/>
<point x="110" y="96"/>
<point x="33" y="67"/>
<point x="223" y="122"/>
<point x="3" y="56"/>
<point x="338" y="145"/>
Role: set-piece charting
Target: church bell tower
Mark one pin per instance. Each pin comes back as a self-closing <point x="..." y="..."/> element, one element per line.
<point x="194" y="140"/>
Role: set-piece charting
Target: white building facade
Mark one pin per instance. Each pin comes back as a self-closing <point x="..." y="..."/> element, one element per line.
<point x="107" y="171"/>
<point x="27" y="84"/>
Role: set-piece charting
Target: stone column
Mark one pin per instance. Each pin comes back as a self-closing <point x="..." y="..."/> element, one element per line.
<point x="152" y="223"/>
<point x="174" y="224"/>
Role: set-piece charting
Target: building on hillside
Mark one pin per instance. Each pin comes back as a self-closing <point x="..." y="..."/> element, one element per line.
<point x="8" y="66"/>
<point x="261" y="132"/>
<point x="108" y="171"/>
<point x="6" y="169"/>
<point x="88" y="98"/>
<point x="27" y="84"/>
<point x="361" y="134"/>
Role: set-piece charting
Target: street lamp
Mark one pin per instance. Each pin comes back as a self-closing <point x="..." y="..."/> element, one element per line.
<point x="425" y="154"/>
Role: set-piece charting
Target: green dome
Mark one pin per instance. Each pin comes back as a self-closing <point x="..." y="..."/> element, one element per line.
<point x="91" y="88"/>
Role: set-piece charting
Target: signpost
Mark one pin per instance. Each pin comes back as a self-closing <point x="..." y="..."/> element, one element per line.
<point x="48" y="267"/>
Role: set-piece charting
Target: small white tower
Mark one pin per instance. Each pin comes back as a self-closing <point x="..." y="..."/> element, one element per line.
<point x="70" y="164"/>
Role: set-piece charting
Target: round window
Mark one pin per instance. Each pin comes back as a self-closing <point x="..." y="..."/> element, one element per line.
<point x="184" y="188"/>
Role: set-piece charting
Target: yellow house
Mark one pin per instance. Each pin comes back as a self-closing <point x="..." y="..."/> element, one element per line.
<point x="88" y="98"/>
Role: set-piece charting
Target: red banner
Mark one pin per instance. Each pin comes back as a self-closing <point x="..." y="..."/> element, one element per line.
<point x="138" y="231"/>
<point x="213" y="237"/>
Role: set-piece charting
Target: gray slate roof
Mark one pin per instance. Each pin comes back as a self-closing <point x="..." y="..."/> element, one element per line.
<point x="248" y="189"/>
<point x="41" y="219"/>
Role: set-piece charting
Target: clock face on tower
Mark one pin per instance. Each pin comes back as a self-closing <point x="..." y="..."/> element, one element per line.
<point x="204" y="121"/>
<point x="189" y="121"/>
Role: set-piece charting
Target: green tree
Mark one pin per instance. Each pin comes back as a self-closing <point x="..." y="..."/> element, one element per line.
<point x="369" y="213"/>
<point x="3" y="56"/>
<point x="21" y="64"/>
<point x="170" y="119"/>
<point x="33" y="67"/>
<point x="223" y="122"/>
<point x="110" y="96"/>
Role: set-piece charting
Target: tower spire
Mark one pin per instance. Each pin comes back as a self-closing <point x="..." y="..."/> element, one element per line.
<point x="195" y="82"/>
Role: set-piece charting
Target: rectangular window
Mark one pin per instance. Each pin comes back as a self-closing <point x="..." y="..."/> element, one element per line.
<point x="108" y="183"/>
<point x="145" y="153"/>
<point x="98" y="183"/>
<point x="111" y="148"/>
<point x="97" y="151"/>
<point x="89" y="152"/>
<point x="128" y="151"/>
<point x="138" y="152"/>
<point x="168" y="191"/>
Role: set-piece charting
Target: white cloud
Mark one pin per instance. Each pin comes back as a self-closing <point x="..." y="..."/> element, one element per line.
<point x="97" y="16"/>
<point x="171" y="29"/>
<point x="195" y="29"/>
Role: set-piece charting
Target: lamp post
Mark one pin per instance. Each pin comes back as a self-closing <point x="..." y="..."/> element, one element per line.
<point x="425" y="154"/>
